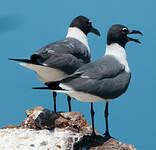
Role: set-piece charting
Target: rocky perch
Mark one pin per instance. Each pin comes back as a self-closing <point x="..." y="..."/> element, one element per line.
<point x="46" y="130"/>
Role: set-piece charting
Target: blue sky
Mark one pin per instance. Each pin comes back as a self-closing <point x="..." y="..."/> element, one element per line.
<point x="26" y="26"/>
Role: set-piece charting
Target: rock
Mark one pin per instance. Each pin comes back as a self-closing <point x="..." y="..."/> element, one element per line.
<point x="10" y="126"/>
<point x="46" y="130"/>
<point x="101" y="143"/>
<point x="39" y="118"/>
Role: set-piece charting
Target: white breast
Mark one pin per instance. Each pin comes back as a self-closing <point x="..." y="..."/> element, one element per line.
<point x="119" y="53"/>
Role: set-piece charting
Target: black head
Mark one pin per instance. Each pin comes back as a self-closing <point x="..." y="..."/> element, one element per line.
<point x="84" y="24"/>
<point x="118" y="34"/>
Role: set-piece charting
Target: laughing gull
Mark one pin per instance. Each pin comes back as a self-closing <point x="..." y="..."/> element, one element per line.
<point x="60" y="59"/>
<point x="105" y="79"/>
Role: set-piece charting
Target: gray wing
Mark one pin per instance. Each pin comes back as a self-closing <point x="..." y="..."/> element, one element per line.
<point x="67" y="63"/>
<point x="61" y="53"/>
<point x="105" y="78"/>
<point x="106" y="67"/>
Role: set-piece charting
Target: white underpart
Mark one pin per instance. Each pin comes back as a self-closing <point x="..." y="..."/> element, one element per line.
<point x="74" y="32"/>
<point x="46" y="74"/>
<point x="81" y="96"/>
<point x="119" y="53"/>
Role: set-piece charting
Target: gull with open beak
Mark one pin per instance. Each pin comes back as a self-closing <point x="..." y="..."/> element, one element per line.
<point x="104" y="79"/>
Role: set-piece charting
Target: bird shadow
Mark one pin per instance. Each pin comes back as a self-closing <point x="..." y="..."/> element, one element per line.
<point x="9" y="23"/>
<point x="89" y="141"/>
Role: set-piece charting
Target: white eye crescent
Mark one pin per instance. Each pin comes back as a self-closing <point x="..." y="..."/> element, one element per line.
<point x="89" y="22"/>
<point x="124" y="29"/>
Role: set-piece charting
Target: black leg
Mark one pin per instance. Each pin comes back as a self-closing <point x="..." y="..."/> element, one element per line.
<point x="106" y="120"/>
<point x="92" y="116"/>
<point x="69" y="103"/>
<point x="54" y="98"/>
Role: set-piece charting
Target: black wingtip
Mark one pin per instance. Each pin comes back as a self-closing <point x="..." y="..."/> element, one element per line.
<point x="21" y="60"/>
<point x="40" y="88"/>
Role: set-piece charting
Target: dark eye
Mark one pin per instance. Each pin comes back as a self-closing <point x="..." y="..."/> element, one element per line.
<point x="124" y="30"/>
<point x="89" y="23"/>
